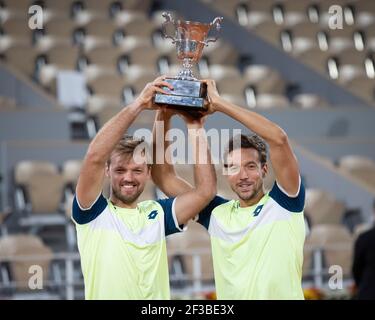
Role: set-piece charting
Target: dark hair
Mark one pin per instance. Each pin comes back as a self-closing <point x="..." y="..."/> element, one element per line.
<point x="127" y="146"/>
<point x="246" y="142"/>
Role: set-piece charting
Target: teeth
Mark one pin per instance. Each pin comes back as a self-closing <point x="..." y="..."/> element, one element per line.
<point x="128" y="186"/>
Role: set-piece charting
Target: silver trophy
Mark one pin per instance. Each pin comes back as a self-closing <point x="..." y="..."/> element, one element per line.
<point x="190" y="39"/>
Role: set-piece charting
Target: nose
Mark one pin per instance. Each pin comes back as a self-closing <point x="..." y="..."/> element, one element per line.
<point x="243" y="174"/>
<point x="127" y="176"/>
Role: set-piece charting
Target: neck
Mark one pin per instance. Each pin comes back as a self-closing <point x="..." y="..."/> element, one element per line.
<point x="118" y="203"/>
<point x="253" y="200"/>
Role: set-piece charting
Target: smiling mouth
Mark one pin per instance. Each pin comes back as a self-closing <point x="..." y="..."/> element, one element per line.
<point x="128" y="186"/>
<point x="245" y="187"/>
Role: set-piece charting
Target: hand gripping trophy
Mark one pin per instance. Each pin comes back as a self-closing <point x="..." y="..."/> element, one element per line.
<point x="190" y="39"/>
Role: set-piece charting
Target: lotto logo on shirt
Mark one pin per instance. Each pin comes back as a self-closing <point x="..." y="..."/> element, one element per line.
<point x="152" y="214"/>
<point x="257" y="210"/>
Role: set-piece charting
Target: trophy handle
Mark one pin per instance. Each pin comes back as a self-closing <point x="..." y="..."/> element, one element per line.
<point x="217" y="23"/>
<point x="168" y="19"/>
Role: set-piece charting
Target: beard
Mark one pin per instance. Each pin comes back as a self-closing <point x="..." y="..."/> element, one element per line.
<point x="248" y="195"/>
<point x="124" y="198"/>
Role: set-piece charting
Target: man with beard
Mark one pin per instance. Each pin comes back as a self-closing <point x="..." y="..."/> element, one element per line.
<point x="122" y="242"/>
<point x="257" y="241"/>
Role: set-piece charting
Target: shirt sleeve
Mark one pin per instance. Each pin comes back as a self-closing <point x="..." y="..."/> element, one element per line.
<point x="83" y="216"/>
<point x="205" y="215"/>
<point x="170" y="220"/>
<point x="292" y="203"/>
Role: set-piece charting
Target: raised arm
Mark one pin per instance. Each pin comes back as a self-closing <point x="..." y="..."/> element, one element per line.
<point x="162" y="171"/>
<point x="190" y="203"/>
<point x="90" y="181"/>
<point x="283" y="160"/>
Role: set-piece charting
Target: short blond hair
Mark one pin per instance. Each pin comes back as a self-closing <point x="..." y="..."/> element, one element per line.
<point x="128" y="145"/>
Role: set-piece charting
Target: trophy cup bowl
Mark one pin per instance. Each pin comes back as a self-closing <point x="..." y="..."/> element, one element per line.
<point x="190" y="39"/>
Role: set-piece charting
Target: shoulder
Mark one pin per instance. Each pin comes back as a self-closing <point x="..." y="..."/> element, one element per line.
<point x="223" y="206"/>
<point x="204" y="216"/>
<point x="82" y="215"/>
<point x="366" y="237"/>
<point x="292" y="203"/>
<point x="153" y="207"/>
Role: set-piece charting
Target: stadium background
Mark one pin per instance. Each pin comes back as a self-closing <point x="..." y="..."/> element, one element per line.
<point x="278" y="57"/>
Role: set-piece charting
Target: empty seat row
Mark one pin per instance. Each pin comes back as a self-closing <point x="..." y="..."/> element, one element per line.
<point x="74" y="8"/>
<point x="360" y="167"/>
<point x="289" y="12"/>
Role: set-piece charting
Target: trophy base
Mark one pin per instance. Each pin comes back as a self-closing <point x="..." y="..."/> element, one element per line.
<point x="187" y="95"/>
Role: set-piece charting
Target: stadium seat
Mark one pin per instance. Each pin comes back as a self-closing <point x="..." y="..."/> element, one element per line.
<point x="361" y="167"/>
<point x="220" y="52"/>
<point x="291" y="12"/>
<point x="236" y="86"/>
<point x="139" y="51"/>
<point x="109" y="87"/>
<point x="336" y="243"/>
<point x="317" y="59"/>
<point x="226" y="7"/>
<point x="141" y="26"/>
<point x="35" y="253"/>
<point x="270" y="32"/>
<point x="104" y="57"/>
<point x="17" y="27"/>
<point x="70" y="172"/>
<point x="60" y="57"/>
<point x="22" y="58"/>
<point x="369" y="35"/>
<point x="39" y="194"/>
<point x="340" y="39"/>
<point x="308" y="100"/>
<point x="251" y="13"/>
<point x="219" y="72"/>
<point x="143" y="5"/>
<point x="238" y="100"/>
<point x="99" y="8"/>
<point x="98" y="32"/>
<point x="264" y="79"/>
<point x="351" y="65"/>
<point x="64" y="8"/>
<point x="364" y="13"/>
<point x="137" y="76"/>
<point x="195" y="241"/>
<point x="268" y="100"/>
<point x="304" y="36"/>
<point x="60" y="28"/>
<point x="17" y="4"/>
<point x="322" y="208"/>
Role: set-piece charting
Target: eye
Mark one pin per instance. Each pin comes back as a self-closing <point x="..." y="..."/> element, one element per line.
<point x="233" y="170"/>
<point x="251" y="166"/>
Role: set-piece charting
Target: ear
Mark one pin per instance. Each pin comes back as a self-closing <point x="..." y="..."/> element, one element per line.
<point x="264" y="170"/>
<point x="149" y="172"/>
<point x="107" y="170"/>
